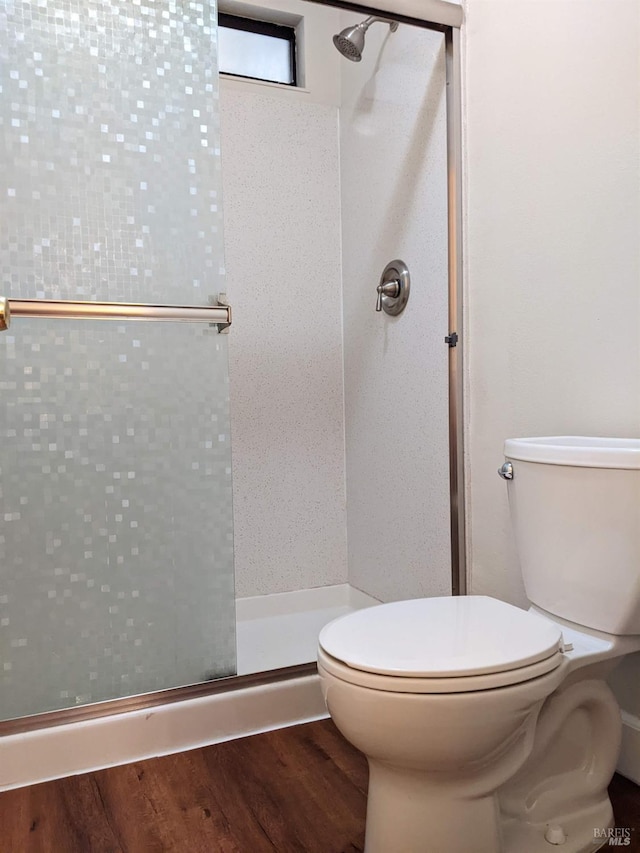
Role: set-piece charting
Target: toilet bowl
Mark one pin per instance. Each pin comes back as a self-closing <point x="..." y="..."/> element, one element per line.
<point x="488" y="728"/>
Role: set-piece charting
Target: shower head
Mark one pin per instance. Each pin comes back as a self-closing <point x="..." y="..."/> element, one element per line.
<point x="350" y="42"/>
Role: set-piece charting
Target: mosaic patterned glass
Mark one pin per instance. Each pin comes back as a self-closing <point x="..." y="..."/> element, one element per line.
<point x="110" y="163"/>
<point x="116" y="552"/>
<point x="116" y="538"/>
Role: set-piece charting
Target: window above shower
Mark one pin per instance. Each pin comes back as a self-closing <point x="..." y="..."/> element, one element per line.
<point x="258" y="50"/>
<point x="279" y="49"/>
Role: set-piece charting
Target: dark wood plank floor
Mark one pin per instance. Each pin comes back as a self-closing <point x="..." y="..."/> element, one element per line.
<point x="297" y="790"/>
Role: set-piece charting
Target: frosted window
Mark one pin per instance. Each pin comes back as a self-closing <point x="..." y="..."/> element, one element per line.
<point x="256" y="49"/>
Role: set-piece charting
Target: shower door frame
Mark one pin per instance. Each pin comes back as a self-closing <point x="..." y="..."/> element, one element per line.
<point x="446" y="18"/>
<point x="459" y="574"/>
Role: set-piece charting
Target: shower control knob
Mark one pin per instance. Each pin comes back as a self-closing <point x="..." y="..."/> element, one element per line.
<point x="393" y="290"/>
<point x="390" y="288"/>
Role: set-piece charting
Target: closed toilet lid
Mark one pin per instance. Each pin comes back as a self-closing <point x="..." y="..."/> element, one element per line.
<point x="441" y="637"/>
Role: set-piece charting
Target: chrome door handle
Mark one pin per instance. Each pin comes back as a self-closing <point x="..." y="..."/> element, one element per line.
<point x="217" y="313"/>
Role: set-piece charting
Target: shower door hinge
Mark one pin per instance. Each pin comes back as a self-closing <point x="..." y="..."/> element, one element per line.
<point x="221" y="299"/>
<point x="451" y="339"/>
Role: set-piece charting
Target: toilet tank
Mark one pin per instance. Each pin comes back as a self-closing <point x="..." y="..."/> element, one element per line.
<point x="575" y="510"/>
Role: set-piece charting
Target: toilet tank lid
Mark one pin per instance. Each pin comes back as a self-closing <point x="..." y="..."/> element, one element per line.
<point x="441" y="637"/>
<point x="576" y="450"/>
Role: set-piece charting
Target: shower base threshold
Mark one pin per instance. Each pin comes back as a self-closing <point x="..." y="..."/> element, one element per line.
<point x="276" y="631"/>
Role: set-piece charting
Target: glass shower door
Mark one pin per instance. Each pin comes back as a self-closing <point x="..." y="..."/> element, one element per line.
<point x="116" y="538"/>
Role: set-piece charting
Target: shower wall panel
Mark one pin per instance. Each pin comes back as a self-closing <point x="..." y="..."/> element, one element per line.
<point x="394" y="191"/>
<point x="116" y="557"/>
<point x="282" y="234"/>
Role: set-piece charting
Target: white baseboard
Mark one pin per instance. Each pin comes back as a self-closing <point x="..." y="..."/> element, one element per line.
<point x="629" y="761"/>
<point x="51" y="753"/>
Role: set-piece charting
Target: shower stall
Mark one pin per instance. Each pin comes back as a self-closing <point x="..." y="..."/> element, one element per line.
<point x="185" y="501"/>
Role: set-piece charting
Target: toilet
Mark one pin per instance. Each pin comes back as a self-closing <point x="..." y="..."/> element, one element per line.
<point x="488" y="728"/>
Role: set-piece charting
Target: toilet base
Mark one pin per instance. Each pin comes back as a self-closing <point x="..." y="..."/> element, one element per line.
<point x="585" y="832"/>
<point x="564" y="781"/>
<point x="408" y="813"/>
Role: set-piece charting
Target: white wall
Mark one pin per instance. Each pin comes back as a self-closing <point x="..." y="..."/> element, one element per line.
<point x="282" y="243"/>
<point x="393" y="179"/>
<point x="552" y="142"/>
<point x="553" y="225"/>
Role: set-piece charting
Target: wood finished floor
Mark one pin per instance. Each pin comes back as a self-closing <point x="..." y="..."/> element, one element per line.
<point x="296" y="790"/>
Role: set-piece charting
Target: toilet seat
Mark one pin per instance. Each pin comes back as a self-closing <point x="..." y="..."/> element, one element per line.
<point x="440" y="645"/>
<point x="463" y="684"/>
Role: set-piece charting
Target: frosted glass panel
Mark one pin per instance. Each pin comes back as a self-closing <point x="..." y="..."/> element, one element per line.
<point x="110" y="156"/>
<point x="116" y="540"/>
<point x="116" y="551"/>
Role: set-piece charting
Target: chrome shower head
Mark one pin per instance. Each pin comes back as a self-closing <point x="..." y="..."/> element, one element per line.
<point x="350" y="42"/>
